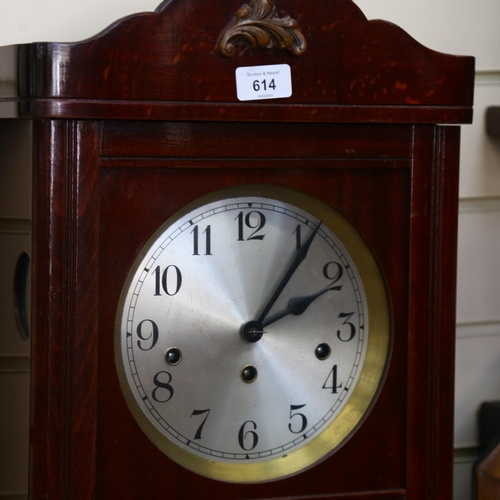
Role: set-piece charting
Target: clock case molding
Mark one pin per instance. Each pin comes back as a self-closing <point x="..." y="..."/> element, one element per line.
<point x="131" y="125"/>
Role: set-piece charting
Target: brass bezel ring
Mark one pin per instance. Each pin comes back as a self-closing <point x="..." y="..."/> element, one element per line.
<point x="373" y="371"/>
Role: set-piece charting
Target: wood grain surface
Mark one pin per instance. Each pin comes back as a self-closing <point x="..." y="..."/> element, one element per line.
<point x="142" y="119"/>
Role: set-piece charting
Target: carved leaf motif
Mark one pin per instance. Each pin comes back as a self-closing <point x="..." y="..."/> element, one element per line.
<point x="259" y="24"/>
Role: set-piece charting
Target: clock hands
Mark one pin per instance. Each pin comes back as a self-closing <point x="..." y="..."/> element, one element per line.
<point x="300" y="255"/>
<point x="298" y="305"/>
<point x="253" y="330"/>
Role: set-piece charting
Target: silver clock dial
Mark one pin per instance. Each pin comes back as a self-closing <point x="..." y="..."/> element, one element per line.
<point x="242" y="332"/>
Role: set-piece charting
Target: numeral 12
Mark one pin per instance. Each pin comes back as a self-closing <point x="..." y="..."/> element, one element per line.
<point x="252" y="220"/>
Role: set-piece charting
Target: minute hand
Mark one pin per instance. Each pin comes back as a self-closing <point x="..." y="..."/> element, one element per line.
<point x="300" y="255"/>
<point x="298" y="305"/>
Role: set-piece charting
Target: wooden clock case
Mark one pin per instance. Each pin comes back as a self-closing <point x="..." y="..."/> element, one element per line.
<point x="133" y="124"/>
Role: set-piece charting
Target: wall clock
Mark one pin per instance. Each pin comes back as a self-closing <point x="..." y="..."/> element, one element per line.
<point x="252" y="333"/>
<point x="243" y="298"/>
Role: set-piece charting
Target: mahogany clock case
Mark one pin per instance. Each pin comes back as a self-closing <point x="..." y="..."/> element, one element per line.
<point x="137" y="122"/>
<point x="170" y="65"/>
<point x="122" y="191"/>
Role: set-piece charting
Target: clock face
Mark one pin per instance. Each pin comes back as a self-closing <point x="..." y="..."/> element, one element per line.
<point x="252" y="333"/>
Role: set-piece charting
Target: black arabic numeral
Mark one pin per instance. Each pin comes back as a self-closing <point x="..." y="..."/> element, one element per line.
<point x="298" y="237"/>
<point x="331" y="381"/>
<point x="333" y="271"/>
<point x="250" y="222"/>
<point x="208" y="240"/>
<point x="170" y="281"/>
<point x="153" y="335"/>
<point x="200" y="428"/>
<point x="163" y="391"/>
<point x="240" y="226"/>
<point x="352" y="328"/>
<point x="302" y="416"/>
<point x="251" y="435"/>
<point x="272" y="85"/>
<point x="194" y="232"/>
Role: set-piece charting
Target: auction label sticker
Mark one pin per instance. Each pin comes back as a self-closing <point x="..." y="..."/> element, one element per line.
<point x="254" y="83"/>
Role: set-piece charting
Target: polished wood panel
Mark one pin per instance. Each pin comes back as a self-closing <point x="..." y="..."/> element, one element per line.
<point x="258" y="140"/>
<point x="397" y="219"/>
<point x="135" y="201"/>
<point x="432" y="299"/>
<point x="170" y="56"/>
<point x="180" y="111"/>
<point x="64" y="317"/>
<point x="166" y="67"/>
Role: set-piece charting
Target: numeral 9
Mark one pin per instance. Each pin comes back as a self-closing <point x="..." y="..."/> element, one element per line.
<point x="153" y="336"/>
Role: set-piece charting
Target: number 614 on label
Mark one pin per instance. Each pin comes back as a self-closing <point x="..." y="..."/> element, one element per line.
<point x="255" y="83"/>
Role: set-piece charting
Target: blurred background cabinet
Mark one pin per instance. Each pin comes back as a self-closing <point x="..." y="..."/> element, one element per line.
<point x="15" y="238"/>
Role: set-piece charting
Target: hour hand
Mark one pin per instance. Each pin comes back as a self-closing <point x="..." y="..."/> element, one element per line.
<point x="298" y="305"/>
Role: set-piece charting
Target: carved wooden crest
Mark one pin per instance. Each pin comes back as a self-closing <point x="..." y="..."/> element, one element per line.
<point x="260" y="25"/>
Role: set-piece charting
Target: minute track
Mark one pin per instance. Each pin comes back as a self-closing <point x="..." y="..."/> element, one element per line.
<point x="299" y="308"/>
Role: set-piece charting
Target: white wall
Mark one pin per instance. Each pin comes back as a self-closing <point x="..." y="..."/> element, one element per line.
<point x="453" y="26"/>
<point x="24" y="21"/>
